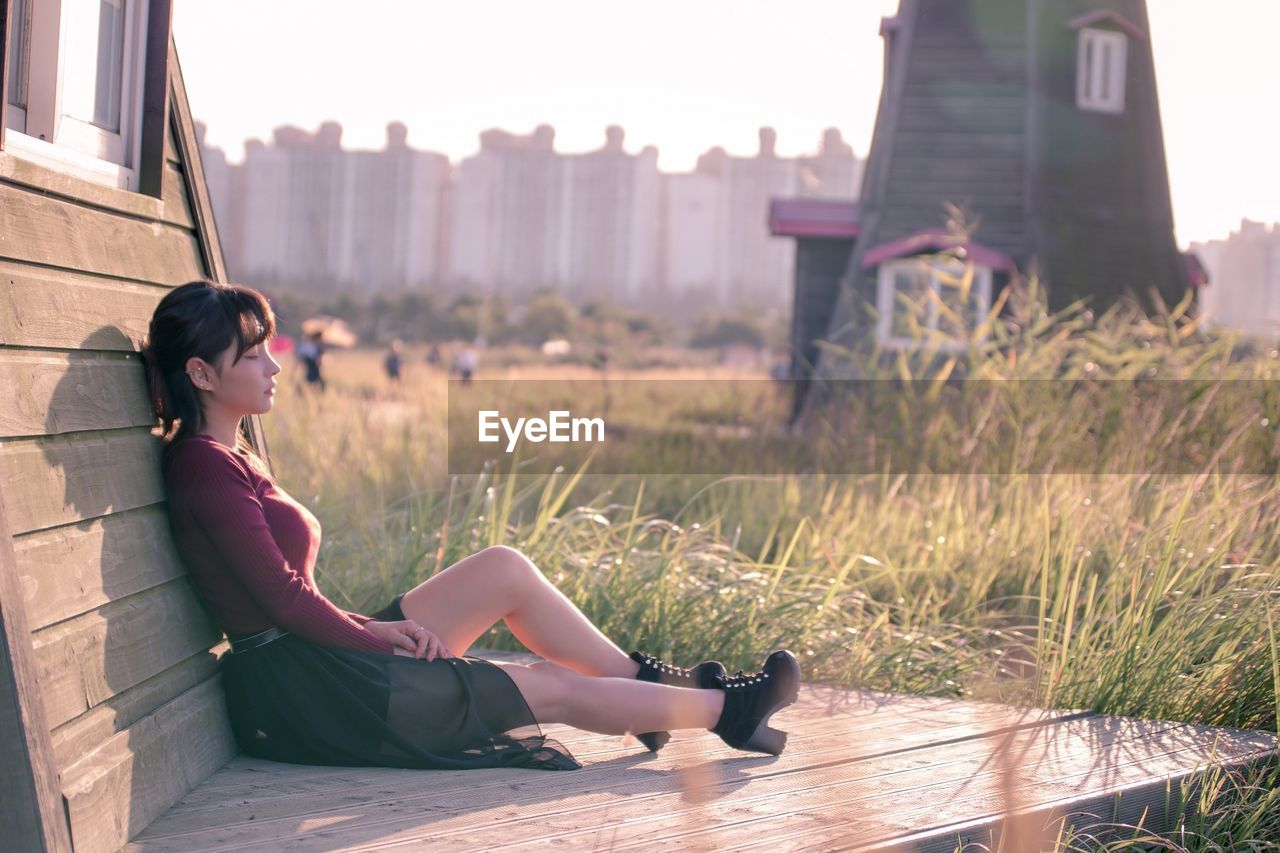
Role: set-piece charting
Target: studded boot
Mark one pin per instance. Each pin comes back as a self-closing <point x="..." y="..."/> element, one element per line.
<point x="705" y="675"/>
<point x="750" y="700"/>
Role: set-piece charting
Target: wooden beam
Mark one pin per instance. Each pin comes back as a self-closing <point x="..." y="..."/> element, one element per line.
<point x="155" y="99"/>
<point x="252" y="429"/>
<point x="31" y="807"/>
<point x="172" y="154"/>
<point x="202" y="208"/>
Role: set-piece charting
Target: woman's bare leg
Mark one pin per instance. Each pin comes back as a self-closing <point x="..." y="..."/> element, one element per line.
<point x="556" y="694"/>
<point x="462" y="602"/>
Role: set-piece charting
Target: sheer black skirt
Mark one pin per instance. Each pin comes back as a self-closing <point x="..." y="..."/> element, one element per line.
<point x="291" y="700"/>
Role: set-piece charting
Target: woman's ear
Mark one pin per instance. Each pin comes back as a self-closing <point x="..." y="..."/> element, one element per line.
<point x="200" y="372"/>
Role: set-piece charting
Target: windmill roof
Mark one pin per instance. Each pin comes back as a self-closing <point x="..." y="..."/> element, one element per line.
<point x="936" y="240"/>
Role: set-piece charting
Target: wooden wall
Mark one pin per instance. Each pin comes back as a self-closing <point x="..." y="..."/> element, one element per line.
<point x="124" y="657"/>
<point x="820" y="269"/>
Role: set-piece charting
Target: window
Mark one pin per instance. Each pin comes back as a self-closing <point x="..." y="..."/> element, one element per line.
<point x="75" y="84"/>
<point x="924" y="301"/>
<point x="1100" y="70"/>
<point x="17" y="95"/>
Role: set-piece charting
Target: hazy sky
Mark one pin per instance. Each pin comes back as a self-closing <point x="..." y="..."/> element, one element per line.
<point x="683" y="76"/>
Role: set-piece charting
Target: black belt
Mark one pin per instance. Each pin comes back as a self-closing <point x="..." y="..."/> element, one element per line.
<point x="253" y="641"/>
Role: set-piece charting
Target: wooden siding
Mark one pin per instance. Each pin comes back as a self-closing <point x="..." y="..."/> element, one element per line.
<point x="820" y="267"/>
<point x="62" y="309"/>
<point x="43" y="230"/>
<point x="122" y="654"/>
<point x="820" y="264"/>
<point x="959" y="132"/>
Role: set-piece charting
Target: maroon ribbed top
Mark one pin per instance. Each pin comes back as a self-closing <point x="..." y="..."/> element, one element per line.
<point x="251" y="548"/>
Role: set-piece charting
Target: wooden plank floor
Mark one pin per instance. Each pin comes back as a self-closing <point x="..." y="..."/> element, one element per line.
<point x="861" y="770"/>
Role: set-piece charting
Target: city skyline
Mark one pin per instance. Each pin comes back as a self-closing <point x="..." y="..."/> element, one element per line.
<point x="303" y="210"/>
<point x="684" y="79"/>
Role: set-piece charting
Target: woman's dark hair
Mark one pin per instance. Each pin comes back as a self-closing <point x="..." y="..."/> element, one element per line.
<point x="199" y="319"/>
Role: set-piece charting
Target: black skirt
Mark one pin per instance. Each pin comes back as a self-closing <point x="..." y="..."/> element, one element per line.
<point x="291" y="700"/>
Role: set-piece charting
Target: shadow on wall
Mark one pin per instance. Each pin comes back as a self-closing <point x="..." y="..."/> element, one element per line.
<point x="123" y="632"/>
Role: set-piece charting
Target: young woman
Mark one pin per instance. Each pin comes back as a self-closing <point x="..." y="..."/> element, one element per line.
<point x="308" y="682"/>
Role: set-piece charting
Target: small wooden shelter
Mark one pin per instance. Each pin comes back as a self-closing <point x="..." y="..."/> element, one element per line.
<point x="110" y="709"/>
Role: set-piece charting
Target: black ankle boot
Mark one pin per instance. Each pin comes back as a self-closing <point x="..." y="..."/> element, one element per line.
<point x="705" y="675"/>
<point x="750" y="700"/>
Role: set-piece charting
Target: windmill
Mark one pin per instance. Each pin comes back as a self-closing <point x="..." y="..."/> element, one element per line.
<point x="1039" y="121"/>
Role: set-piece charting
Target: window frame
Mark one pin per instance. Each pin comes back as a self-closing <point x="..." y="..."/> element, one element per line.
<point x="935" y="267"/>
<point x="1100" y="88"/>
<point x="81" y="134"/>
<point x="10" y="112"/>
<point x="45" y="136"/>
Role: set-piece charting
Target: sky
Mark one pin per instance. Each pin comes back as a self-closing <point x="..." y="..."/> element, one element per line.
<point x="683" y="76"/>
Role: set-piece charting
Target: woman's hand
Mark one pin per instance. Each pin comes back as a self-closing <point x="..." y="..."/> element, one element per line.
<point x="410" y="639"/>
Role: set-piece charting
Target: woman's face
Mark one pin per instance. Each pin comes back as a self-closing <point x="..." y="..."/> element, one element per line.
<point x="245" y="387"/>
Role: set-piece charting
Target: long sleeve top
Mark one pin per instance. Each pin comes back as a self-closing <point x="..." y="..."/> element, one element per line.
<point x="251" y="548"/>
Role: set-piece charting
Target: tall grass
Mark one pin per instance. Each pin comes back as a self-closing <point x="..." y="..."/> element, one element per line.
<point x="1135" y="594"/>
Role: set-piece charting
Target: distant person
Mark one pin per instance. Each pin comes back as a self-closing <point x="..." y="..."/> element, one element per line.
<point x="392" y="362"/>
<point x="311" y="354"/>
<point x="465" y="364"/>
<point x="433" y="355"/>
<point x="308" y="682"/>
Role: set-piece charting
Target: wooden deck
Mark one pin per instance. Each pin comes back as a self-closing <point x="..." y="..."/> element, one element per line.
<point x="861" y="770"/>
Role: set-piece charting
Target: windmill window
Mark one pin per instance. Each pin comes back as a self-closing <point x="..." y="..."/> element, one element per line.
<point x="75" y="83"/>
<point x="930" y="301"/>
<point x="1100" y="74"/>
